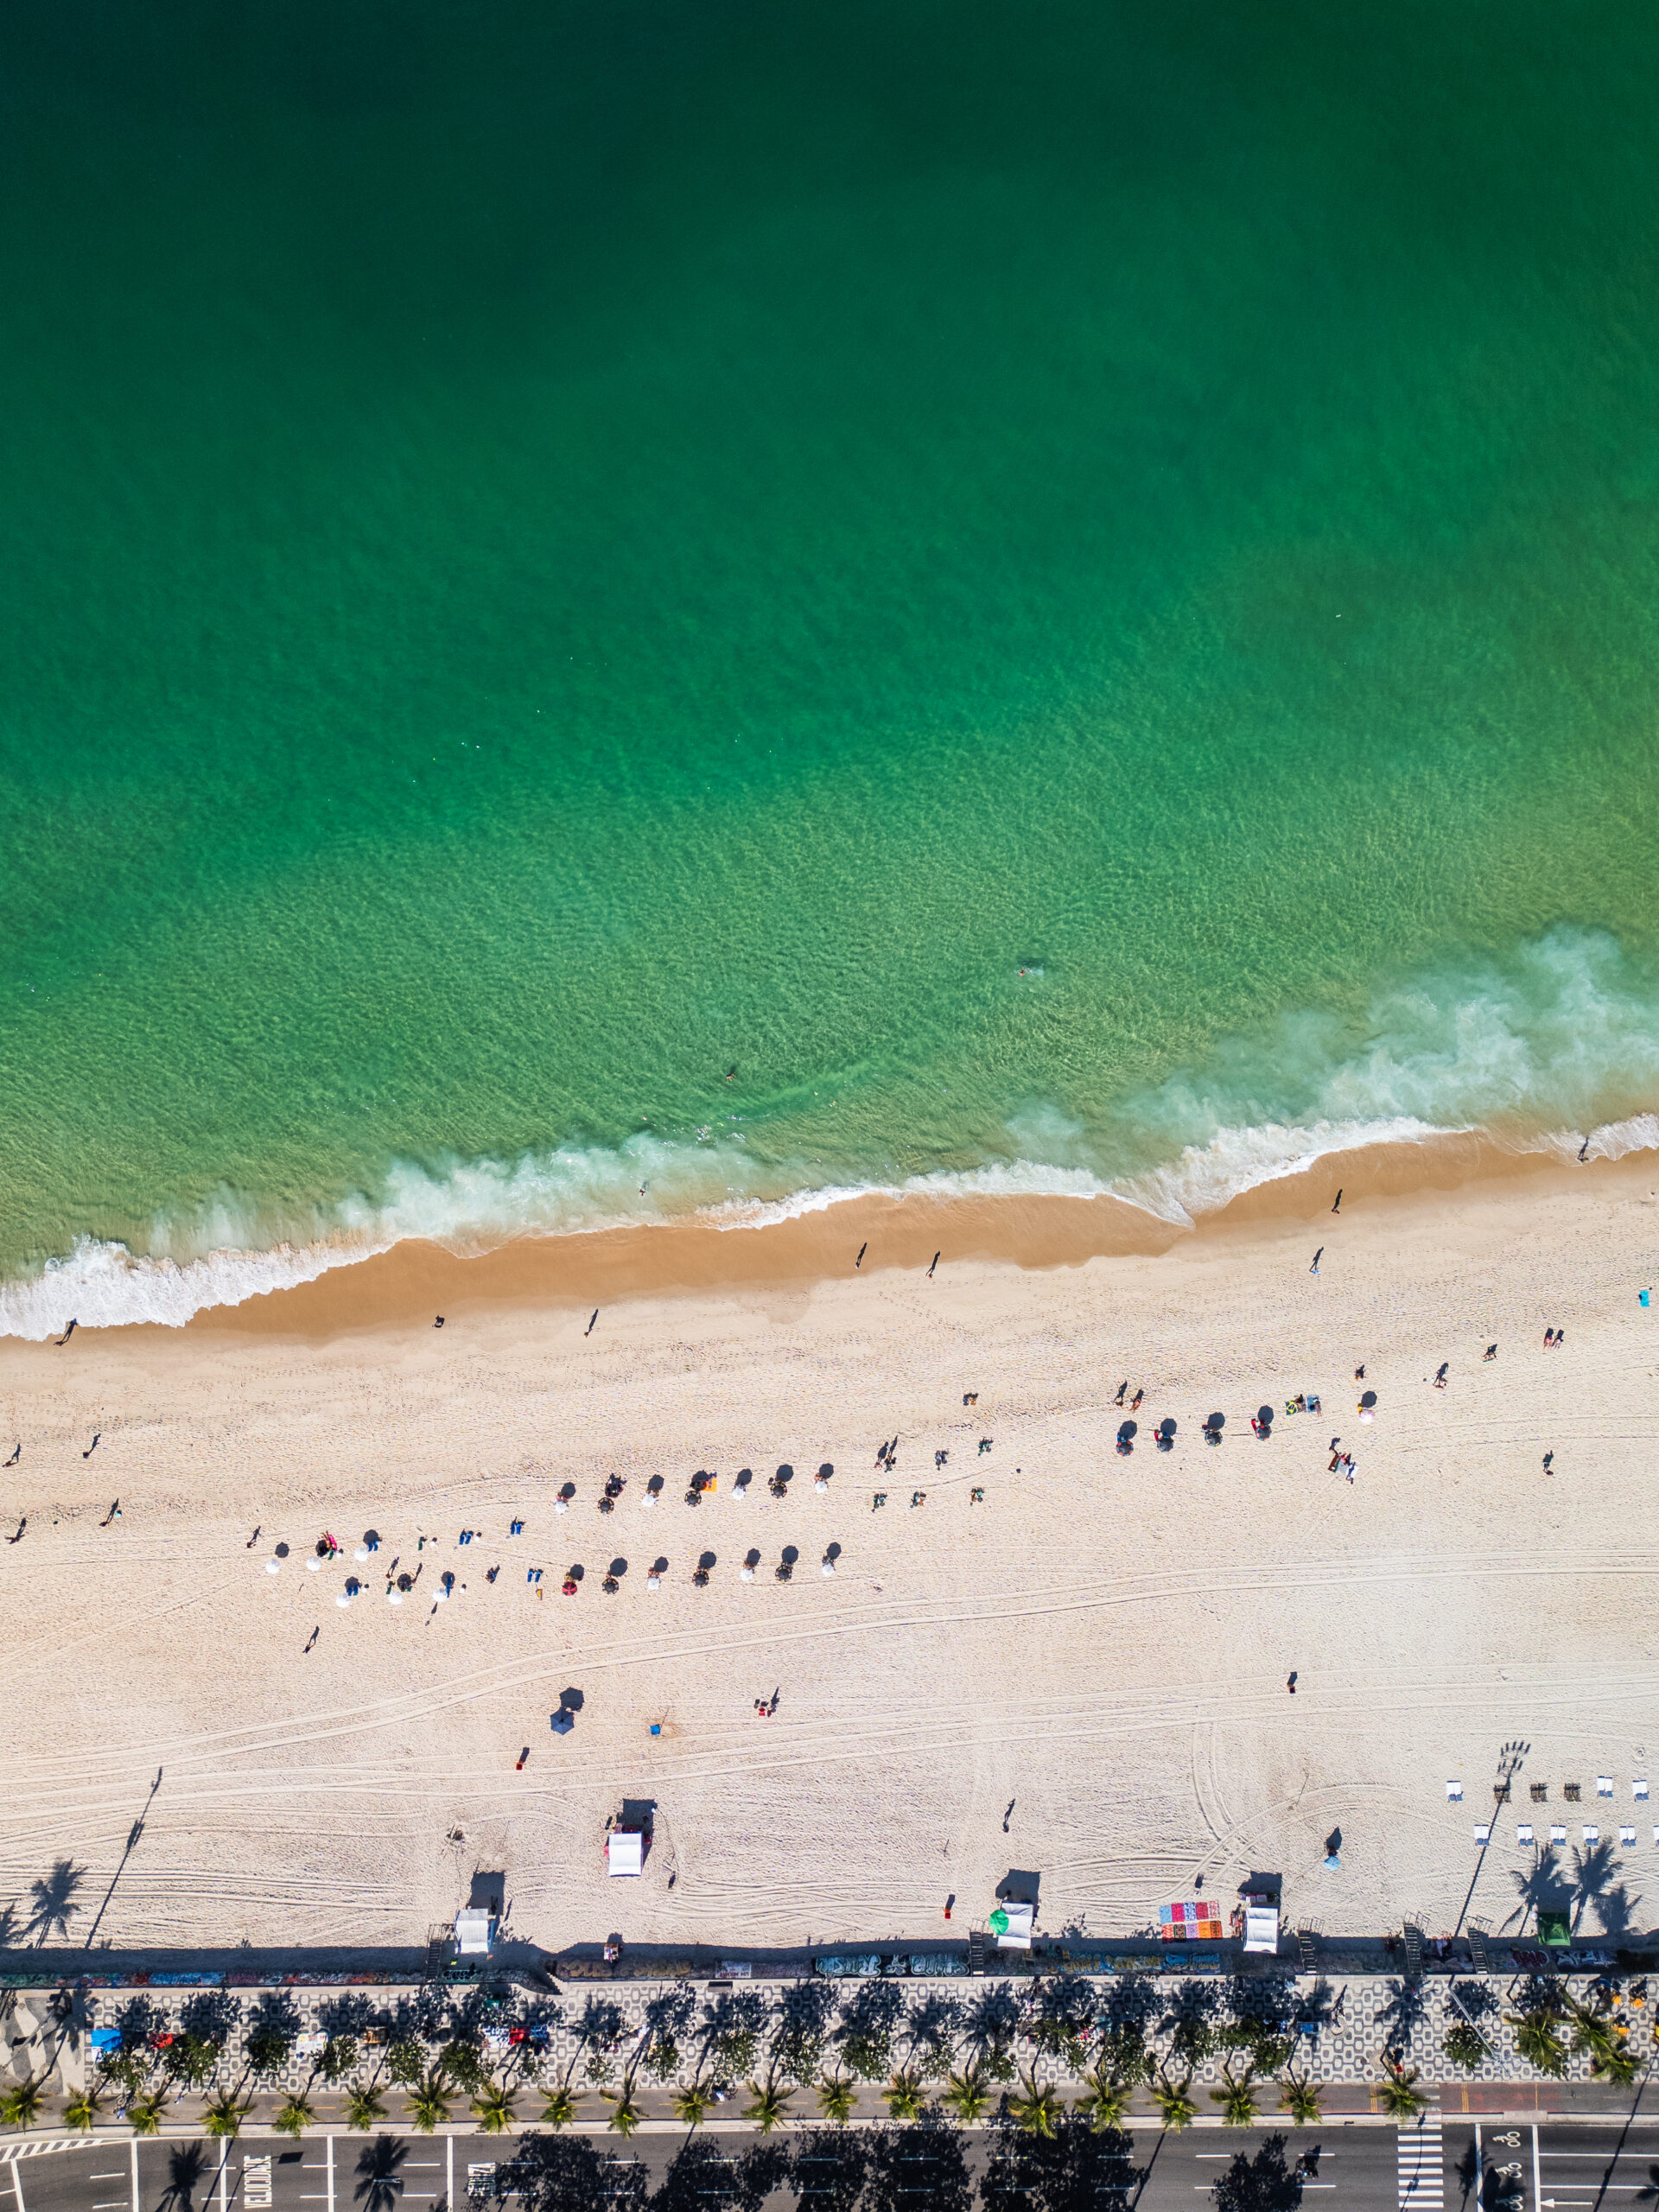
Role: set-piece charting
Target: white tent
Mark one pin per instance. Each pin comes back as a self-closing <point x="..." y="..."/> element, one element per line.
<point x="1261" y="1929"/>
<point x="472" y="1932"/>
<point x="626" y="1850"/>
<point x="1015" y="1932"/>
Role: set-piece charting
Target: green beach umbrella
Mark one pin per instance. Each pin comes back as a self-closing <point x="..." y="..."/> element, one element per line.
<point x="998" y="1923"/>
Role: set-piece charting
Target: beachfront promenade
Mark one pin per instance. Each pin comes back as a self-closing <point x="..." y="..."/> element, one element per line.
<point x="262" y="2039"/>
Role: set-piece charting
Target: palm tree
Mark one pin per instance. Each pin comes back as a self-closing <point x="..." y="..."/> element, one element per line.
<point x="836" y="2098"/>
<point x="429" y="2102"/>
<point x="82" y="2110"/>
<point x="21" y="2106"/>
<point x="1237" y="2097"/>
<point x="1398" y="2093"/>
<point x="146" y="2113"/>
<point x="1105" y="2103"/>
<point x="903" y="2095"/>
<point x="770" y="2105"/>
<point x="1538" y="2039"/>
<point x="223" y="2116"/>
<point x="560" y="2108"/>
<point x="691" y="2105"/>
<point x="966" y="2096"/>
<point x="626" y="2113"/>
<point x="296" y="2116"/>
<point x="1617" y="2064"/>
<point x="1175" y="2105"/>
<point x="363" y="2110"/>
<point x="493" y="2109"/>
<point x="1036" y="2110"/>
<point x="1300" y="2098"/>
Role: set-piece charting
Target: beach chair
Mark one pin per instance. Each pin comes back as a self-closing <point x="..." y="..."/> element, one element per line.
<point x="1483" y="1832"/>
<point x="1523" y="1831"/>
<point x="1603" y="1785"/>
<point x="1454" y="1793"/>
<point x="1557" y="1836"/>
<point x="1627" y="1837"/>
<point x="1639" y="1791"/>
<point x="1592" y="1835"/>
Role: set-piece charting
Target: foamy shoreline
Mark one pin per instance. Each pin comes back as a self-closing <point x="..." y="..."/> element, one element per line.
<point x="1030" y="1212"/>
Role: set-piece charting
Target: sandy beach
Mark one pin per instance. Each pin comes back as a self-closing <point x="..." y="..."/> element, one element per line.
<point x="1082" y="1674"/>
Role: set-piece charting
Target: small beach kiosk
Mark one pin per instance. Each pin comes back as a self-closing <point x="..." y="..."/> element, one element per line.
<point x="1011" y="1924"/>
<point x="474" y="1930"/>
<point x="1262" y="1925"/>
<point x="624" y="1851"/>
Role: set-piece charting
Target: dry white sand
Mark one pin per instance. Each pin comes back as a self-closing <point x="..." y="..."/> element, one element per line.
<point x="1103" y="1642"/>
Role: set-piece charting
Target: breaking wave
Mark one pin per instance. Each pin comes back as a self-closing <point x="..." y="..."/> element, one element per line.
<point x="1555" y="1051"/>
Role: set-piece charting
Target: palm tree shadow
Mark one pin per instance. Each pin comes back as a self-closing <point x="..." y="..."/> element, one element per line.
<point x="1545" y="1886"/>
<point x="53" y="1899"/>
<point x="1597" y="1889"/>
<point x="379" y="2174"/>
<point x="186" y="2167"/>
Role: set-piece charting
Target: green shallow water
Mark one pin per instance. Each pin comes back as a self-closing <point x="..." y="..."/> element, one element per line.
<point x="546" y="554"/>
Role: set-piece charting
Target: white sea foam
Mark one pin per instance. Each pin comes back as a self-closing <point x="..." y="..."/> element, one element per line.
<point x="1528" y="1051"/>
<point x="1208" y="1177"/>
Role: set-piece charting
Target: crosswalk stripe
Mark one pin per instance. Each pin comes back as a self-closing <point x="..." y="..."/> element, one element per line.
<point x="1422" y="2166"/>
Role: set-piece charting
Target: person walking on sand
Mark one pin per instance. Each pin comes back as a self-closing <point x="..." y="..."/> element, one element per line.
<point x="1440" y="1374"/>
<point x="1121" y="1387"/>
<point x="17" y="1453"/>
<point x="936" y="1262"/>
<point x="1317" y="1256"/>
<point x="91" y="1447"/>
<point x="1134" y="1402"/>
<point x="862" y="1250"/>
<point x="114" y="1514"/>
<point x="1337" y="1207"/>
<point x="589" y="1331"/>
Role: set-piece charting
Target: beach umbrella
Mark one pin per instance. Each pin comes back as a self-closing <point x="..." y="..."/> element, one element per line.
<point x="998" y="1923"/>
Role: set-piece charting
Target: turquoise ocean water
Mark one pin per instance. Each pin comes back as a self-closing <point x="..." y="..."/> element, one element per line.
<point x="1070" y="590"/>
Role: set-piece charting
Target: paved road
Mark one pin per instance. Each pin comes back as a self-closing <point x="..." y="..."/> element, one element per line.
<point x="1348" y="2168"/>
